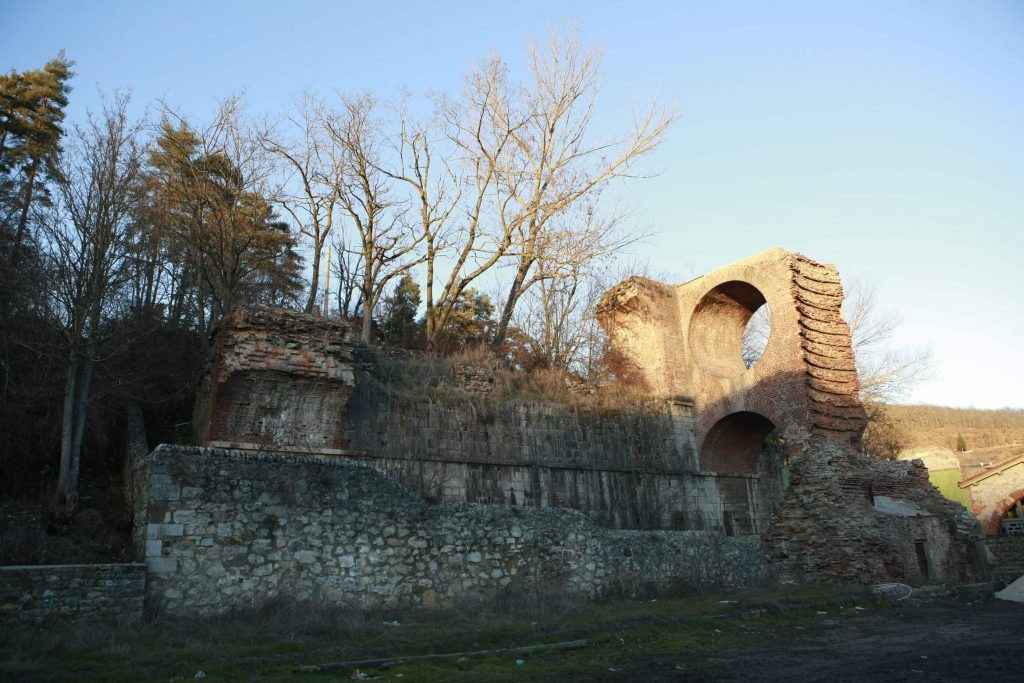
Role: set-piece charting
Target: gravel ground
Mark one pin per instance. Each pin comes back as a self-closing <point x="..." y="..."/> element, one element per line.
<point x="980" y="640"/>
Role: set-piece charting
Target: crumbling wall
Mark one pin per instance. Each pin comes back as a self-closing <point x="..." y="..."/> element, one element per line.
<point x="276" y="378"/>
<point x="687" y="340"/>
<point x="222" y="529"/>
<point x="853" y="519"/>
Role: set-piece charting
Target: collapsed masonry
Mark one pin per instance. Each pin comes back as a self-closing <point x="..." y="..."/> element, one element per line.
<point x="730" y="474"/>
<point x="844" y="517"/>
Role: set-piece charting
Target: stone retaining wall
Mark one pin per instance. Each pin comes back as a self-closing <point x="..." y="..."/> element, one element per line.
<point x="35" y="593"/>
<point x="635" y="469"/>
<point x="221" y="529"/>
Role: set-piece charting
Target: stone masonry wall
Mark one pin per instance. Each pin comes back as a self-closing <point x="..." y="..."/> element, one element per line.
<point x="634" y="469"/>
<point x="36" y="593"/>
<point x="221" y="529"/>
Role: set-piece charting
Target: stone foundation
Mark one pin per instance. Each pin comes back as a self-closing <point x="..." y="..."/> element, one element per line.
<point x="223" y="529"/>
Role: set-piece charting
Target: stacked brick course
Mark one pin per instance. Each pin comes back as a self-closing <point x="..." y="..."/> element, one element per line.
<point x="80" y="591"/>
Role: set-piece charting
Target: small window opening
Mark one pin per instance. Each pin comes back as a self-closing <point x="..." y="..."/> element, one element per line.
<point x="727" y="522"/>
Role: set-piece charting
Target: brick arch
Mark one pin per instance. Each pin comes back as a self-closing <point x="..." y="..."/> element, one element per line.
<point x="733" y="445"/>
<point x="991" y="524"/>
<point x="717" y="325"/>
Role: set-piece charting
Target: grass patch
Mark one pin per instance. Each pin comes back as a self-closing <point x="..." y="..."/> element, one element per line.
<point x="269" y="643"/>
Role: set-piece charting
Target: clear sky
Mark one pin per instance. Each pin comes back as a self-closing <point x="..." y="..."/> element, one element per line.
<point x="885" y="137"/>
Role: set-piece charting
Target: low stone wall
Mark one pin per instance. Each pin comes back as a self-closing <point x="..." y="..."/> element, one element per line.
<point x="35" y="593"/>
<point x="223" y="529"/>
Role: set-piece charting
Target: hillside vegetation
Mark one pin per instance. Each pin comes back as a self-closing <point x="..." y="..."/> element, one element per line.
<point x="921" y="425"/>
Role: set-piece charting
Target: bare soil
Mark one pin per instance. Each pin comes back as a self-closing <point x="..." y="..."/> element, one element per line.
<point x="978" y="640"/>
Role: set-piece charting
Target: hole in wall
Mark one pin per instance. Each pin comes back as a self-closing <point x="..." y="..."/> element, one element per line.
<point x="718" y="328"/>
<point x="755" y="335"/>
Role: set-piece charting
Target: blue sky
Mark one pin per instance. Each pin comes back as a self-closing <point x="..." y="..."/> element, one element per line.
<point x="884" y="137"/>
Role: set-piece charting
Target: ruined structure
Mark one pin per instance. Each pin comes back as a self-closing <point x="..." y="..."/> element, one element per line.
<point x="686" y="341"/>
<point x="357" y="478"/>
<point x="277" y="380"/>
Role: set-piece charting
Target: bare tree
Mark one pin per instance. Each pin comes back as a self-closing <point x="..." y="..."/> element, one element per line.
<point x="558" y="315"/>
<point x="386" y="242"/>
<point x="87" y="238"/>
<point x="315" y="161"/>
<point x="551" y="165"/>
<point x="450" y="229"/>
<point x="886" y="374"/>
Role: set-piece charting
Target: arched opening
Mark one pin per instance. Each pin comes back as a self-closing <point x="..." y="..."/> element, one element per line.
<point x="735" y="443"/>
<point x="1011" y="520"/>
<point x="718" y="329"/>
<point x="756" y="334"/>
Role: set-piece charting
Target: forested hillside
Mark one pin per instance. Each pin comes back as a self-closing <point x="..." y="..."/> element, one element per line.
<point x="942" y="426"/>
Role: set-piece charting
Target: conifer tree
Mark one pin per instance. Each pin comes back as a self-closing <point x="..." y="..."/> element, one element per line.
<point x="32" y="107"/>
<point x="399" y="326"/>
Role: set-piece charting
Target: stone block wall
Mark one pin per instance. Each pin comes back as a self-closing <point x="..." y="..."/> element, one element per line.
<point x="634" y="469"/>
<point x="82" y="591"/>
<point x="221" y="529"/>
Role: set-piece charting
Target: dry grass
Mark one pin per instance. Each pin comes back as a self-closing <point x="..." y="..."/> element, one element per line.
<point x="435" y="376"/>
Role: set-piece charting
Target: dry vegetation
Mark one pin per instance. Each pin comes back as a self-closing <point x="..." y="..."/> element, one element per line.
<point x="476" y="372"/>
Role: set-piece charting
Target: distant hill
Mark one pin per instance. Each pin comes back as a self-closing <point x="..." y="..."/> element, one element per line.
<point x="922" y="426"/>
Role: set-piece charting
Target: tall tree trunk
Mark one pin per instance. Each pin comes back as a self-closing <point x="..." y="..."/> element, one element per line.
<point x="67" y="489"/>
<point x="315" y="281"/>
<point x="26" y="204"/>
<point x="364" y="333"/>
<point x="514" y="293"/>
<point x="81" y="414"/>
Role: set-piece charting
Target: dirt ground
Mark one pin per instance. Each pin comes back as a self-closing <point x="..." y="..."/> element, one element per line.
<point x="981" y="640"/>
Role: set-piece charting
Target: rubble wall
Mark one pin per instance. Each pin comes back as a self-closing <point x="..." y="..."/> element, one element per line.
<point x="847" y="518"/>
<point x="222" y="529"/>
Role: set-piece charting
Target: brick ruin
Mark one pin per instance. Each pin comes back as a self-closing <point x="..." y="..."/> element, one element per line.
<point x="277" y="380"/>
<point x="722" y="454"/>
<point x="686" y="341"/>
